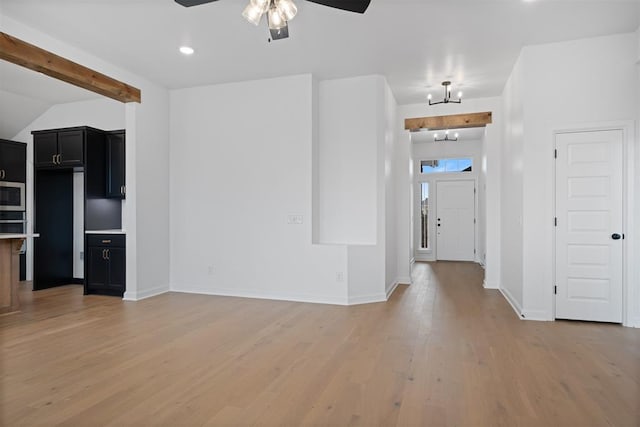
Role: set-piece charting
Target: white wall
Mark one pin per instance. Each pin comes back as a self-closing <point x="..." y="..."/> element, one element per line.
<point x="241" y="163"/>
<point x="16" y="110"/>
<point x="636" y="273"/>
<point x="511" y="187"/>
<point x="104" y="114"/>
<point x="146" y="212"/>
<point x="392" y="276"/>
<point x="404" y="189"/>
<point x="348" y="130"/>
<point x="584" y="88"/>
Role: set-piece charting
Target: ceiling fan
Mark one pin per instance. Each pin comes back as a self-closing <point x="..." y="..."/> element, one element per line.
<point x="280" y="12"/>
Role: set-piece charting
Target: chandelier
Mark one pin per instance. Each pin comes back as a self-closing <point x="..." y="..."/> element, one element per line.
<point x="278" y="12"/>
<point x="447" y="95"/>
<point x="446" y="137"/>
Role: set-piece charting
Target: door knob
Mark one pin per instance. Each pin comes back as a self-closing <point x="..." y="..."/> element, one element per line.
<point x="616" y="236"/>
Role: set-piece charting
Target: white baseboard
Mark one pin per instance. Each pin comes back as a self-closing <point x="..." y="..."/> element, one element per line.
<point x="403" y="280"/>
<point x="633" y="323"/>
<point x="490" y="285"/>
<point x="512" y="301"/>
<point x="390" y="288"/>
<point x="537" y="315"/>
<point x="130" y="296"/>
<point x="367" y="299"/>
<point x="251" y="293"/>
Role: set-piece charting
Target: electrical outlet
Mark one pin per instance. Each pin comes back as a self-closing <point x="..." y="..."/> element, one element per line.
<point x="295" y="219"/>
<point x="339" y="276"/>
<point x="81" y="255"/>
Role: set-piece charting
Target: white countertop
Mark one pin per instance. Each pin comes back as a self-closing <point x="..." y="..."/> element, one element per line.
<point x="17" y="236"/>
<point x="104" y="232"/>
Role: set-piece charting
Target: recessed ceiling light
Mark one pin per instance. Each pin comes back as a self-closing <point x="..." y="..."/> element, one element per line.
<point x="186" y="50"/>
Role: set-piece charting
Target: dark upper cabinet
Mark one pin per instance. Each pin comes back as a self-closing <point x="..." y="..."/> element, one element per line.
<point x="45" y="149"/>
<point x="71" y="148"/>
<point x="63" y="148"/>
<point x="13" y="161"/>
<point x="116" y="165"/>
<point x="105" y="269"/>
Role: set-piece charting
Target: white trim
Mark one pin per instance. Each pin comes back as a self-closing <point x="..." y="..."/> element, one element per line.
<point x="538" y="315"/>
<point x="403" y="280"/>
<point x="259" y="294"/>
<point x="424" y="257"/>
<point x="390" y="288"/>
<point x="490" y="285"/>
<point x="630" y="287"/>
<point x="131" y="296"/>
<point x="512" y="301"/>
<point x="367" y="299"/>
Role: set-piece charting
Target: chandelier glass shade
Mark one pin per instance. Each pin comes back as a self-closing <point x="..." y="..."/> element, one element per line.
<point x="446" y="137"/>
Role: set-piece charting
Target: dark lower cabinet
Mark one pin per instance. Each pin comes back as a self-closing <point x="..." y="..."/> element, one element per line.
<point x="105" y="272"/>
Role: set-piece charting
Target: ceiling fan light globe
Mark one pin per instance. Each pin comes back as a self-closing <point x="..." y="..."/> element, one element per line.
<point x="252" y="13"/>
<point x="262" y="4"/>
<point x="287" y="9"/>
<point x="276" y="20"/>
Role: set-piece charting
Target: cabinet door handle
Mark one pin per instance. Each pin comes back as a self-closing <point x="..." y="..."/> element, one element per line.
<point x="104" y="254"/>
<point x="2" y="174"/>
<point x="53" y="159"/>
<point x="108" y="254"/>
<point x="59" y="158"/>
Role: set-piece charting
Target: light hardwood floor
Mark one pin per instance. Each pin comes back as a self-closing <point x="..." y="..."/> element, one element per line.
<point x="443" y="351"/>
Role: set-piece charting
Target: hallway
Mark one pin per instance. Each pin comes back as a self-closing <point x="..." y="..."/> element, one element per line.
<point x="442" y="352"/>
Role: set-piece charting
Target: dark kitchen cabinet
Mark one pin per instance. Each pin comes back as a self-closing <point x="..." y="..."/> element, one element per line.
<point x="63" y="148"/>
<point x="13" y="161"/>
<point x="105" y="271"/>
<point x="116" y="165"/>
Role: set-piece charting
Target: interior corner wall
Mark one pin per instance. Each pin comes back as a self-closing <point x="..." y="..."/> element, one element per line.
<point x="241" y="171"/>
<point x="569" y="97"/>
<point x="390" y="179"/>
<point x="511" y="186"/>
<point x="147" y="136"/>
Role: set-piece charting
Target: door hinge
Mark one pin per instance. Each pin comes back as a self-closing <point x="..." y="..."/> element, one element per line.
<point x="555" y="221"/>
<point x="474" y="220"/>
<point x="474" y="251"/>
<point x="555" y="290"/>
<point x="555" y="154"/>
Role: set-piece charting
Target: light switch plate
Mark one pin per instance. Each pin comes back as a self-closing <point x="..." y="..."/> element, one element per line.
<point x="295" y="219"/>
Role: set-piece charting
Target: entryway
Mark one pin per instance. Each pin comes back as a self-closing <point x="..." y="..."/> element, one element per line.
<point x="589" y="225"/>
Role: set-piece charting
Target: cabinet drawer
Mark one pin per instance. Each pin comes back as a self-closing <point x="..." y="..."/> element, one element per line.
<point x="106" y="240"/>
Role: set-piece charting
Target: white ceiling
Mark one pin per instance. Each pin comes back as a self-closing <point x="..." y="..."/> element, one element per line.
<point x="415" y="43"/>
<point x="469" y="134"/>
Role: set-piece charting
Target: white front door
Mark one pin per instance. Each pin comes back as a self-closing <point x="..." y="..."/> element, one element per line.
<point x="455" y="220"/>
<point x="589" y="226"/>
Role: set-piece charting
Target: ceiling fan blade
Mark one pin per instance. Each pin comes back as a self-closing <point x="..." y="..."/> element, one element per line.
<point x="189" y="3"/>
<point x="358" y="6"/>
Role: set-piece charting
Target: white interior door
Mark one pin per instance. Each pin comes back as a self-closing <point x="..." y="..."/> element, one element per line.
<point x="455" y="220"/>
<point x="589" y="226"/>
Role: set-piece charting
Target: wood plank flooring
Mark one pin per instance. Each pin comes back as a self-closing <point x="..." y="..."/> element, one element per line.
<point x="442" y="352"/>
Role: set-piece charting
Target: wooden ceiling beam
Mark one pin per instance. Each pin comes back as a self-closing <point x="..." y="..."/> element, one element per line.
<point x="27" y="55"/>
<point x="455" y="121"/>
